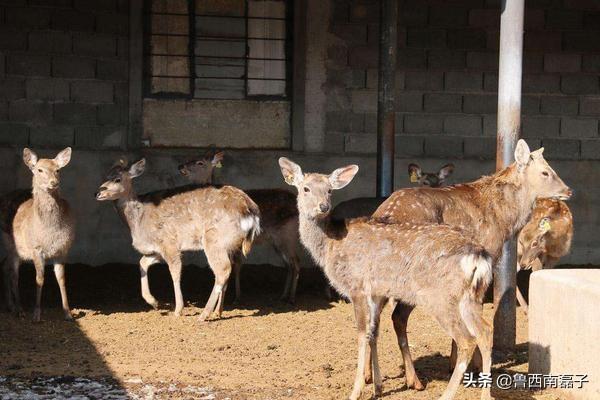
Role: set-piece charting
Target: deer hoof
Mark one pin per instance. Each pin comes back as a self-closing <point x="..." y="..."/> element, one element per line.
<point x="378" y="390"/>
<point x="416" y="385"/>
<point x="37" y="316"/>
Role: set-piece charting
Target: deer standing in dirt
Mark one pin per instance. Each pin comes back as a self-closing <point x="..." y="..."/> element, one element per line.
<point x="221" y="221"/>
<point x="37" y="226"/>
<point x="278" y="219"/>
<point x="545" y="239"/>
<point x="430" y="265"/>
<point x="491" y="209"/>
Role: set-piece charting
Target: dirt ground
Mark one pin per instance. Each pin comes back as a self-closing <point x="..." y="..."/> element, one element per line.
<point x="260" y="349"/>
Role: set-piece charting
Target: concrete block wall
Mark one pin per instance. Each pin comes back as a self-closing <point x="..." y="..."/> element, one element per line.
<point x="63" y="73"/>
<point x="447" y="78"/>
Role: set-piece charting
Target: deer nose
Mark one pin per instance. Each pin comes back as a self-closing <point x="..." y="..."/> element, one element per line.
<point x="53" y="183"/>
<point x="324" y="207"/>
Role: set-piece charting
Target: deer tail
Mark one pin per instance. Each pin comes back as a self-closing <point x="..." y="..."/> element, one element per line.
<point x="477" y="267"/>
<point x="250" y="224"/>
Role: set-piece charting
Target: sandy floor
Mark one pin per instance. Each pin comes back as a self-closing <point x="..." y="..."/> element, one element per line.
<point x="261" y="349"/>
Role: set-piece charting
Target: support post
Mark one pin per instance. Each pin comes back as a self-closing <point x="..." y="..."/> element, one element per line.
<point x="509" y="127"/>
<point x="388" y="26"/>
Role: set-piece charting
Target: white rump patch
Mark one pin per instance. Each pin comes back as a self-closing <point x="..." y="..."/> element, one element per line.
<point x="476" y="268"/>
<point x="250" y="222"/>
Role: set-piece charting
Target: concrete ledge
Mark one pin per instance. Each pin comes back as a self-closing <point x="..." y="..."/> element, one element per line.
<point x="564" y="327"/>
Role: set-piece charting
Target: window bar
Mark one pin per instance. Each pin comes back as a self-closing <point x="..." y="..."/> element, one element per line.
<point x="192" y="46"/>
<point x="247" y="50"/>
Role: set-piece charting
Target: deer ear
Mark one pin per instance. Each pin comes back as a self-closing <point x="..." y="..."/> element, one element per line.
<point x="522" y="153"/>
<point x="292" y="173"/>
<point x="137" y="168"/>
<point x="445" y="171"/>
<point x="414" y="172"/>
<point x="342" y="176"/>
<point x="218" y="158"/>
<point x="537" y="154"/>
<point x="30" y="158"/>
<point x="63" y="157"/>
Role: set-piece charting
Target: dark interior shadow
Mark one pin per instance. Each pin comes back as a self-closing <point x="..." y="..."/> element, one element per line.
<point x="115" y="288"/>
<point x="38" y="359"/>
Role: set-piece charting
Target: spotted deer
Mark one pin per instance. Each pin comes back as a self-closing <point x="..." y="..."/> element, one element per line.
<point x="491" y="209"/>
<point x="37" y="226"/>
<point x="279" y="218"/>
<point x="221" y="221"/>
<point x="430" y="265"/>
<point x="545" y="239"/>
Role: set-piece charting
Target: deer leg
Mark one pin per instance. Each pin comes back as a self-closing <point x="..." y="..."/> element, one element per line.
<point x="220" y="264"/>
<point x="145" y="263"/>
<point x="375" y="307"/>
<point x="522" y="301"/>
<point x="473" y="318"/>
<point x="59" y="273"/>
<point x="465" y="348"/>
<point x="361" y="316"/>
<point x="38" y="262"/>
<point x="175" y="267"/>
<point x="237" y="270"/>
<point x="400" y="319"/>
<point x="14" y="265"/>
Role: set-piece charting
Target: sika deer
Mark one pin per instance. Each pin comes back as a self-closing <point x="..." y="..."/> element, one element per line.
<point x="366" y="206"/>
<point x="37" y="226"/>
<point x="223" y="222"/>
<point x="279" y="219"/>
<point x="431" y="179"/>
<point x="430" y="265"/>
<point x="545" y="239"/>
<point x="492" y="209"/>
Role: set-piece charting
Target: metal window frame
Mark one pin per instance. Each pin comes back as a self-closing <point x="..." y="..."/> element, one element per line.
<point x="192" y="37"/>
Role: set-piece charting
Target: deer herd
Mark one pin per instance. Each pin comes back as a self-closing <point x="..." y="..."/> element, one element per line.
<point x="432" y="246"/>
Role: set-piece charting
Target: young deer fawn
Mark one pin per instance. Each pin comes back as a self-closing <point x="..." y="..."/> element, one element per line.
<point x="545" y="239"/>
<point x="37" y="226"/>
<point x="163" y="224"/>
<point x="278" y="219"/>
<point x="432" y="265"/>
<point x="492" y="210"/>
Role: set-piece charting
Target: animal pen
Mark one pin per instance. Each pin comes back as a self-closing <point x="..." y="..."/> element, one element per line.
<point x="172" y="97"/>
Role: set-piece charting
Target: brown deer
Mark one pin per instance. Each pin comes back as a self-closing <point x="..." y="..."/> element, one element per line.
<point x="37" y="226"/>
<point x="545" y="239"/>
<point x="163" y="224"/>
<point x="279" y="218"/>
<point x="430" y="265"/>
<point x="491" y="209"/>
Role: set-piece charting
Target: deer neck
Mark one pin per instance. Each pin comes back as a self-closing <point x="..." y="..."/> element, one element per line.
<point x="314" y="236"/>
<point x="47" y="206"/>
<point x="512" y="199"/>
<point x="130" y="209"/>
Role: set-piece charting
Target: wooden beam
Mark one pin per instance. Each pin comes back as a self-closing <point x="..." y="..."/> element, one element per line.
<point x="509" y="128"/>
<point x="388" y="26"/>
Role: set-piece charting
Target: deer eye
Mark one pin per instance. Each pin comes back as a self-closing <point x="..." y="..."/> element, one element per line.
<point x="328" y="191"/>
<point x="118" y="180"/>
<point x="545" y="173"/>
<point x="40" y="170"/>
<point x="200" y="162"/>
<point x="306" y="189"/>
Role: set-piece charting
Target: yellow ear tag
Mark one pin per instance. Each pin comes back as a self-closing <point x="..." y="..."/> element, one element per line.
<point x="413" y="177"/>
<point x="289" y="179"/>
<point x="219" y="165"/>
<point x="545" y="225"/>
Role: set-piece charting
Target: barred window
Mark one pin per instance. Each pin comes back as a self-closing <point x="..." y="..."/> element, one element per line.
<point x="218" y="49"/>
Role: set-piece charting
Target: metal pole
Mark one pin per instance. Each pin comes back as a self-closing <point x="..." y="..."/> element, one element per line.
<point x="385" y="96"/>
<point x="509" y="127"/>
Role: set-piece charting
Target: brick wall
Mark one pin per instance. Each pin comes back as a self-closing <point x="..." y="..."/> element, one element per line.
<point x="63" y="73"/>
<point x="447" y="78"/>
